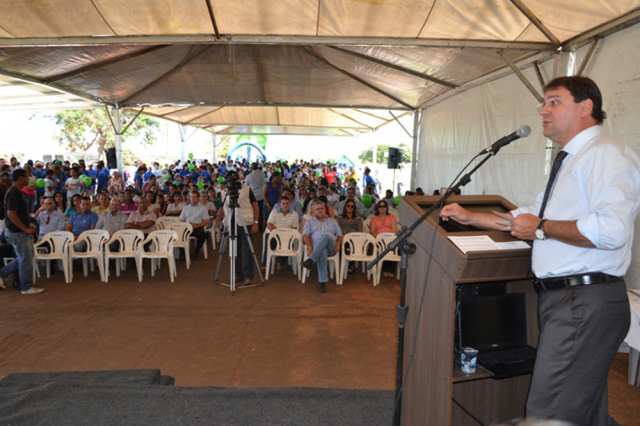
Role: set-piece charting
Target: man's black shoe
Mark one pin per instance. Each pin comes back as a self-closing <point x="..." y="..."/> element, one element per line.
<point x="308" y="263"/>
<point x="322" y="287"/>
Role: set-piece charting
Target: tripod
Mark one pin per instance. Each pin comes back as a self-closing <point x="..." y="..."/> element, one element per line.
<point x="230" y="238"/>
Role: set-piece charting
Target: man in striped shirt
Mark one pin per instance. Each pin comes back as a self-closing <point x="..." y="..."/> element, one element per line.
<point x="323" y="238"/>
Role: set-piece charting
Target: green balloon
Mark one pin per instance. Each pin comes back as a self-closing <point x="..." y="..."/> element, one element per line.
<point x="192" y="166"/>
<point x="366" y="200"/>
<point x="176" y="183"/>
<point x="397" y="200"/>
<point x="319" y="174"/>
<point x="83" y="177"/>
<point x="190" y="155"/>
<point x="40" y="183"/>
<point x="88" y="181"/>
<point x="220" y="179"/>
<point x="166" y="177"/>
<point x="200" y="185"/>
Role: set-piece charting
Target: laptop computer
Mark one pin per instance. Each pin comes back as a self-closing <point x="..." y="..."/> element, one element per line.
<point x="497" y="327"/>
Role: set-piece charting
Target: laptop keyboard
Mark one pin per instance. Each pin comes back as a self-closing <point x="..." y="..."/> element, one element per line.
<point x="506" y="356"/>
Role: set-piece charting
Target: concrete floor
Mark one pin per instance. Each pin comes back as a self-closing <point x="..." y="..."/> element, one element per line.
<point x="283" y="334"/>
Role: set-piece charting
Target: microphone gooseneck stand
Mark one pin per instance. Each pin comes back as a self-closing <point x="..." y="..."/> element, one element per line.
<point x="406" y="248"/>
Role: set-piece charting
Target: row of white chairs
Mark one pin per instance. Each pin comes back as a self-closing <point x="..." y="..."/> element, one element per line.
<point x="94" y="245"/>
<point x="356" y="247"/>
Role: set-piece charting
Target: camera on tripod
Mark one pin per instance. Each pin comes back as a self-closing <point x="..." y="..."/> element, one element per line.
<point x="233" y="186"/>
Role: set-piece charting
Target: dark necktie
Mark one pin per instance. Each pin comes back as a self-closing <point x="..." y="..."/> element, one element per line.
<point x="552" y="177"/>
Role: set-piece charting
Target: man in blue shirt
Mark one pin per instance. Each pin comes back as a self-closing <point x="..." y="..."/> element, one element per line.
<point x="323" y="237"/>
<point x="83" y="220"/>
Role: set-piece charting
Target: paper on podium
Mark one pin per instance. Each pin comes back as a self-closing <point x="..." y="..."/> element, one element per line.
<point x="485" y="243"/>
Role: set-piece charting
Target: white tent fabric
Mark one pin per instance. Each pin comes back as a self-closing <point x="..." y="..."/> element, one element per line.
<point x="456" y="129"/>
<point x="210" y="63"/>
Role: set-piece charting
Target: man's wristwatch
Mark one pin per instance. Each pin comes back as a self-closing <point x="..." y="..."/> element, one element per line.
<point x="540" y="232"/>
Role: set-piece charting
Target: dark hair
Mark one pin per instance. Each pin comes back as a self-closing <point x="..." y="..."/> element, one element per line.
<point x="85" y="199"/>
<point x="344" y="209"/>
<point x="377" y="206"/>
<point x="284" y="197"/>
<point x="581" y="88"/>
<point x="18" y="173"/>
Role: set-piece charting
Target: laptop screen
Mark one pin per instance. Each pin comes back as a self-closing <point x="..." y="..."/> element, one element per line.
<point x="493" y="322"/>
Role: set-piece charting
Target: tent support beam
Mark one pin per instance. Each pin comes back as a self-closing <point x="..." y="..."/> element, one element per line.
<point x="521" y="76"/>
<point x="350" y="119"/>
<point x="396" y="67"/>
<point x="403" y="128"/>
<point x="536" y="21"/>
<point x="276" y="39"/>
<point x="414" y="152"/>
<point x="587" y="58"/>
<point x="116" y="124"/>
<point x="202" y="115"/>
<point x="213" y="19"/>
<point x="256" y="56"/>
<point x="536" y="68"/>
<point x="57" y="87"/>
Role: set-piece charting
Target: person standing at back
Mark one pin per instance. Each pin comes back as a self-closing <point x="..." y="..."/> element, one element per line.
<point x="19" y="234"/>
<point x="582" y="232"/>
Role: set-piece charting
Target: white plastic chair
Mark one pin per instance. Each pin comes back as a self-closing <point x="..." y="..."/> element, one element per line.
<point x="183" y="232"/>
<point x="130" y="240"/>
<point x="382" y="240"/>
<point x="164" y="222"/>
<point x="162" y="245"/>
<point x="94" y="240"/>
<point x="333" y="263"/>
<point x="289" y="244"/>
<point x="358" y="247"/>
<point x="212" y="231"/>
<point x="58" y="243"/>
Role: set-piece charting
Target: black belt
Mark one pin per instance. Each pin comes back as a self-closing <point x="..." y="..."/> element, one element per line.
<point x="573" y="281"/>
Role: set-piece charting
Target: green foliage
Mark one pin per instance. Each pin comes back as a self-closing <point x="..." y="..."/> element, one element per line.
<point x="382" y="152"/>
<point x="82" y="130"/>
<point x="223" y="146"/>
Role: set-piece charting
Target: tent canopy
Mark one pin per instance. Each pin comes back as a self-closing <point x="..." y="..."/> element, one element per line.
<point x="321" y="67"/>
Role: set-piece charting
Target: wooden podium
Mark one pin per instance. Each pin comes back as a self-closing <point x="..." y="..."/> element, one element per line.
<point x="433" y="380"/>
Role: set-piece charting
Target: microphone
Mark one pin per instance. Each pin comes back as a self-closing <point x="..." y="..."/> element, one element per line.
<point x="522" y="132"/>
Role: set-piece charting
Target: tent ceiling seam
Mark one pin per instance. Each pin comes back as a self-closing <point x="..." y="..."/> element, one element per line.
<point x="318" y="17"/>
<point x="396" y="67"/>
<point x="359" y="80"/>
<point x="104" y="63"/>
<point x="257" y="105"/>
<point x="212" y="16"/>
<point x="103" y="18"/>
<point x="535" y="21"/>
<point x="257" y="58"/>
<point x="182" y="63"/>
<point x="426" y="19"/>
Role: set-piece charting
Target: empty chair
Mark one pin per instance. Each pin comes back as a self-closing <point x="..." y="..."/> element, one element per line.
<point x="212" y="230"/>
<point x="382" y="241"/>
<point x="93" y="241"/>
<point x="357" y="247"/>
<point x="128" y="241"/>
<point x="164" y="222"/>
<point x="288" y="244"/>
<point x="183" y="232"/>
<point x="161" y="247"/>
<point x="55" y="246"/>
